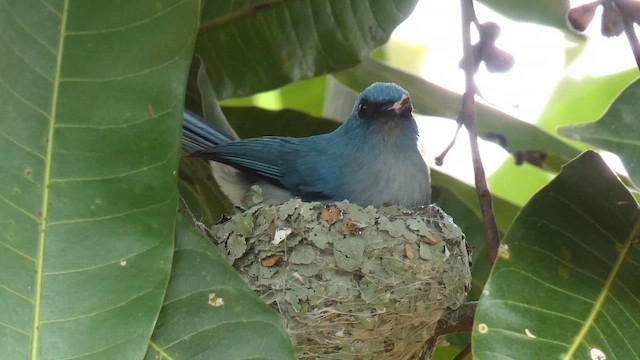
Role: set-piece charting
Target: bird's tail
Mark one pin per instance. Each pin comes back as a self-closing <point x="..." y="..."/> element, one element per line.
<point x="198" y="135"/>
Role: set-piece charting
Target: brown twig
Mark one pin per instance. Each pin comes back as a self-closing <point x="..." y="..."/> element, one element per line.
<point x="457" y="321"/>
<point x="467" y="117"/>
<point x="463" y="353"/>
<point x="633" y="39"/>
<point x="440" y="158"/>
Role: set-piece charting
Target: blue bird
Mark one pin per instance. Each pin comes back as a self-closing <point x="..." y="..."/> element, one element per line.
<point x="371" y="159"/>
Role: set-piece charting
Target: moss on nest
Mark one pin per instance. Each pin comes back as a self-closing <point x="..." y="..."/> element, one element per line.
<point x="351" y="282"/>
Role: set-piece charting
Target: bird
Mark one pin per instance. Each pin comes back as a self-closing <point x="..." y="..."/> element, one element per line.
<point x="370" y="159"/>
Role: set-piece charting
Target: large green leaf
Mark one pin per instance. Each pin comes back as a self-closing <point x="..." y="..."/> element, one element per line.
<point x="430" y="99"/>
<point x="566" y="283"/>
<point x="90" y="97"/>
<point x="549" y="12"/>
<point x="617" y="131"/>
<point x="257" y="45"/>
<point x="193" y="326"/>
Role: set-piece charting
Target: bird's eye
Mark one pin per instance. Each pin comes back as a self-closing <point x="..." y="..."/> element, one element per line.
<point x="363" y="110"/>
<point x="408" y="110"/>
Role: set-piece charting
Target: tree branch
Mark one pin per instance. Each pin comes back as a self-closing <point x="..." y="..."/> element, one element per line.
<point x="467" y="117"/>
<point x="457" y="321"/>
<point x="633" y="39"/>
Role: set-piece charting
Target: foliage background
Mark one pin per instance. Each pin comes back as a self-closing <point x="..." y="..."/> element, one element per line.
<point x="97" y="263"/>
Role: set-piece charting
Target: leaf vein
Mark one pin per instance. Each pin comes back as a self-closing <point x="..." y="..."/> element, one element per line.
<point x="570" y="236"/>
<point x="14" y="329"/>
<point x="206" y="328"/>
<point x="14" y="292"/>
<point x="160" y="350"/>
<point x="580" y="337"/>
<point x="18" y="252"/>
<point x="27" y="31"/>
<point x="533" y="308"/>
<point x="127" y="76"/>
<point x="127" y="26"/>
<point x="101" y="311"/>
<point x="115" y="126"/>
<point x="23" y="211"/>
<point x="19" y="97"/>
<point x="114" y="176"/>
<point x="129" y="256"/>
<point x="35" y="336"/>
<point x="523" y="335"/>
<point x="112" y="216"/>
<point x="543" y="283"/>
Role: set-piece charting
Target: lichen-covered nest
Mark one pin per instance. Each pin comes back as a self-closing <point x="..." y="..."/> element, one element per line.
<point x="351" y="282"/>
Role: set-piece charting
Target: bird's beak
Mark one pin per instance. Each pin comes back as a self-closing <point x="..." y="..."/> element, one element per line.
<point x="401" y="105"/>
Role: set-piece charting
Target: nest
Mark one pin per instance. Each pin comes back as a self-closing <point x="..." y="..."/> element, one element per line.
<point x="351" y="282"/>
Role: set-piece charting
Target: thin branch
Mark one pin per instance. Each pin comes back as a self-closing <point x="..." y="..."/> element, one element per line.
<point x="633" y="39"/>
<point x="467" y="117"/>
<point x="440" y="158"/>
<point x="463" y="353"/>
<point x="457" y="321"/>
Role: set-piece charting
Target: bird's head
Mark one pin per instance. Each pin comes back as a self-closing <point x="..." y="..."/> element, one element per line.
<point x="383" y="102"/>
<point x="384" y="110"/>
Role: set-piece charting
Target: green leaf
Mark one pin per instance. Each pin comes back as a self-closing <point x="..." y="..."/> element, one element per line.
<point x="551" y="13"/>
<point x="430" y="99"/>
<point x="258" y="45"/>
<point x="578" y="100"/>
<point x="447" y="353"/>
<point x="191" y="324"/>
<point x="566" y="283"/>
<point x="518" y="183"/>
<point x="617" y="131"/>
<point x="305" y="95"/>
<point x="90" y="108"/>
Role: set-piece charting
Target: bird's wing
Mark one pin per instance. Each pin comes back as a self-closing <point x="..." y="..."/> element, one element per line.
<point x="259" y="156"/>
<point x="198" y="135"/>
<point x="297" y="164"/>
